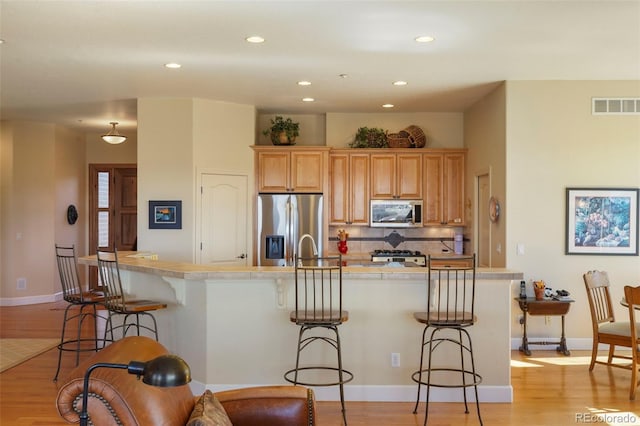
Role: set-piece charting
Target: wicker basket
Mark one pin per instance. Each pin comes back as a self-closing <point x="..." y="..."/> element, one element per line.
<point x="399" y="140"/>
<point x="416" y="136"/>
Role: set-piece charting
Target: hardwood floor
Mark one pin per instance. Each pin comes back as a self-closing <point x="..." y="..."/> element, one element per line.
<point x="549" y="389"/>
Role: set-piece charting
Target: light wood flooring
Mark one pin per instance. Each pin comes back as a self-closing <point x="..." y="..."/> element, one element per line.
<point x="549" y="389"/>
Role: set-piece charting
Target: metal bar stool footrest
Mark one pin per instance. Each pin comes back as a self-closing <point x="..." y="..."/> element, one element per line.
<point x="83" y="348"/>
<point x="477" y="379"/>
<point x="299" y="382"/>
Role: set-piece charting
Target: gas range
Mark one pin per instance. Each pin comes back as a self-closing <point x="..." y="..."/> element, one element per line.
<point x="407" y="257"/>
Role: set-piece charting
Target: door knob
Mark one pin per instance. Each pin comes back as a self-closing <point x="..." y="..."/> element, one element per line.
<point x="242" y="256"/>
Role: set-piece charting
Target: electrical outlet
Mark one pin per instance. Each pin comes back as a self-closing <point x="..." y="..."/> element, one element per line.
<point x="22" y="284"/>
<point x="547" y="319"/>
<point x="395" y="359"/>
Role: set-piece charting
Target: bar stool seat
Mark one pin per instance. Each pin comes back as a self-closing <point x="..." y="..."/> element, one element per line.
<point x="318" y="294"/>
<point x="450" y="311"/>
<point x="119" y="304"/>
<point x="85" y="301"/>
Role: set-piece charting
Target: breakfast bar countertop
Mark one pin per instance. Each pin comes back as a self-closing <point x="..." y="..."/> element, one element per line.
<point x="201" y="300"/>
<point x="133" y="261"/>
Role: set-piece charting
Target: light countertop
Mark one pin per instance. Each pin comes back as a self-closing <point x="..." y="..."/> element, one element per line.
<point x="192" y="271"/>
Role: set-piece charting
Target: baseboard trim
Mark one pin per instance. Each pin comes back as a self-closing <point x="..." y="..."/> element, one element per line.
<point x="399" y="393"/>
<point x="30" y="300"/>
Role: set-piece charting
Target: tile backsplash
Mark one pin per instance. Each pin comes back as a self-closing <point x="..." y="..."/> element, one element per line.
<point x="363" y="240"/>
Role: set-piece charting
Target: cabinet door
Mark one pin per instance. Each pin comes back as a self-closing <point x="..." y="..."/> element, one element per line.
<point x="453" y="187"/>
<point x="359" y="188"/>
<point x="339" y="189"/>
<point x="307" y="171"/>
<point x="432" y="194"/>
<point x="409" y="180"/>
<point x="383" y="176"/>
<point x="349" y="181"/>
<point x="273" y="172"/>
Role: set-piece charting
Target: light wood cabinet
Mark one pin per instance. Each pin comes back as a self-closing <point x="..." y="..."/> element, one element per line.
<point x="291" y="169"/>
<point x="444" y="174"/>
<point x="349" y="188"/>
<point x="352" y="177"/>
<point x="396" y="175"/>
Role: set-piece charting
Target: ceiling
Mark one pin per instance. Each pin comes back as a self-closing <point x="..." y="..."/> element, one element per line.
<point x="83" y="64"/>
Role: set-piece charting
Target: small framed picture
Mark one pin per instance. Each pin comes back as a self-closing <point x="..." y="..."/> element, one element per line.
<point x="602" y="221"/>
<point x="165" y="214"/>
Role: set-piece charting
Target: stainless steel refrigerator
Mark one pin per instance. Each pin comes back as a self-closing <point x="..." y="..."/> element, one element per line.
<point x="282" y="220"/>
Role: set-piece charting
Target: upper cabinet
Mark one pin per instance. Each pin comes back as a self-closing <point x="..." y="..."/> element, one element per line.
<point x="293" y="169"/>
<point x="444" y="188"/>
<point x="396" y="175"/>
<point x="352" y="177"/>
<point x="349" y="188"/>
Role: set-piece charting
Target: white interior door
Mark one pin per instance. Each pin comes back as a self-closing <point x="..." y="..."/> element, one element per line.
<point x="223" y="216"/>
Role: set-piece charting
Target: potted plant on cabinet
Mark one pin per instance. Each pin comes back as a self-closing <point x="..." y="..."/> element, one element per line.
<point x="282" y="131"/>
<point x="370" y="137"/>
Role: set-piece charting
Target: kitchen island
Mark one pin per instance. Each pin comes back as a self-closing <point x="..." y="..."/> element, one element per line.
<point x="231" y="324"/>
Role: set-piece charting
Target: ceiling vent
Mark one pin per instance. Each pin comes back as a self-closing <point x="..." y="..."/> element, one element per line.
<point x="615" y="106"/>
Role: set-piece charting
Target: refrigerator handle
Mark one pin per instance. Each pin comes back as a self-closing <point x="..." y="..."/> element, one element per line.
<point x="290" y="256"/>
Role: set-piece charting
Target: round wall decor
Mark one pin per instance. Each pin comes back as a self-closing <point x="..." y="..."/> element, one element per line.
<point x="72" y="214"/>
<point x="494" y="209"/>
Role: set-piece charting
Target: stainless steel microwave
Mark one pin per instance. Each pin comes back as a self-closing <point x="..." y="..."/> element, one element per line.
<point x="395" y="213"/>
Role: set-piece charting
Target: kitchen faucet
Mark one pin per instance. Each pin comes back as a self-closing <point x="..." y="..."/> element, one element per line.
<point x="313" y="245"/>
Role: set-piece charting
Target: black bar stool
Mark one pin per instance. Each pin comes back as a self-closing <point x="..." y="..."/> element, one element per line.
<point x="76" y="297"/>
<point x="318" y="293"/>
<point x="118" y="303"/>
<point x="450" y="311"/>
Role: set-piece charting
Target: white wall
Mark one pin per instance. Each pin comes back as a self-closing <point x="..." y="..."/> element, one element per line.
<point x="443" y="129"/>
<point x="485" y="138"/>
<point x="42" y="173"/>
<point x="312" y="128"/>
<point x="553" y="142"/>
<point x="165" y="172"/>
<point x="177" y="139"/>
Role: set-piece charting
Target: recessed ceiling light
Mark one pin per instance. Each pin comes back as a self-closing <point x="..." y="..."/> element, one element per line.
<point x="255" y="39"/>
<point x="172" y="65"/>
<point x="308" y="99"/>
<point x="424" y="39"/>
<point x="399" y="83"/>
<point x="304" y="83"/>
<point x="388" y="106"/>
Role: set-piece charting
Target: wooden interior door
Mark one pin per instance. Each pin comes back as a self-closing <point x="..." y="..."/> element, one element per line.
<point x="125" y="214"/>
<point x="113" y="209"/>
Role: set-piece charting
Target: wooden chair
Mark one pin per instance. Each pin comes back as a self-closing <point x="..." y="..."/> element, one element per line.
<point x="632" y="297"/>
<point x="118" y="303"/>
<point x="606" y="329"/>
<point x="76" y="297"/>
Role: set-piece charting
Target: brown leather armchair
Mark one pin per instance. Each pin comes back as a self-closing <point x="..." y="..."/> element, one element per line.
<point x="117" y="397"/>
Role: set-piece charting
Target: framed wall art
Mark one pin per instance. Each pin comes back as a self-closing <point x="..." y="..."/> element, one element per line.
<point x="165" y="214"/>
<point x="602" y="221"/>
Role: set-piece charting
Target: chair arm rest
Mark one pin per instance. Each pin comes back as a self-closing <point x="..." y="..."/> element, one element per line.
<point x="117" y="397"/>
<point x="269" y="406"/>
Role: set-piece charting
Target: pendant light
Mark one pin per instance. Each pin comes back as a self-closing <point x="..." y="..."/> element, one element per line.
<point x="113" y="137"/>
